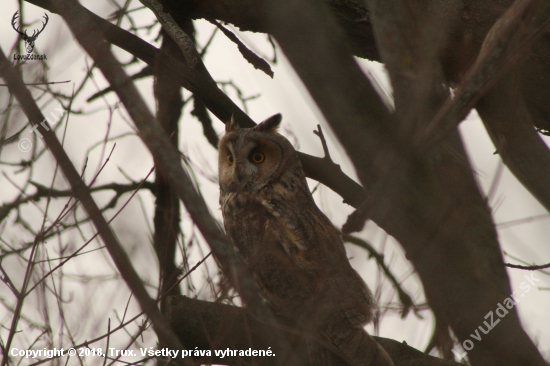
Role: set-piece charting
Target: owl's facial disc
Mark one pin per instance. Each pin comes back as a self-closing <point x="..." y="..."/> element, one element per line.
<point x="249" y="164"/>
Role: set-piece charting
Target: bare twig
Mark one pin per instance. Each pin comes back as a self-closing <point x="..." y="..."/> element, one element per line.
<point x="404" y="297"/>
<point x="319" y="133"/>
<point x="82" y="192"/>
<point x="143" y="73"/>
<point x="255" y="60"/>
<point x="123" y="324"/>
<point x="42" y="192"/>
<point x="48" y="83"/>
<point x="529" y="268"/>
<point x="200" y="111"/>
<point x="108" y="340"/>
<point x="526" y="220"/>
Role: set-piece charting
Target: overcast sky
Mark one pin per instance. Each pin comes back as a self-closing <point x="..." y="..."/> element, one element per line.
<point x="523" y="240"/>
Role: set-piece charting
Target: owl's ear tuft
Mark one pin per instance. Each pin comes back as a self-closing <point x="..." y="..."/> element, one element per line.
<point x="232" y="125"/>
<point x="270" y="124"/>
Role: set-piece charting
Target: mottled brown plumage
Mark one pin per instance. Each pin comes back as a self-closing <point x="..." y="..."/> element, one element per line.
<point x="294" y="252"/>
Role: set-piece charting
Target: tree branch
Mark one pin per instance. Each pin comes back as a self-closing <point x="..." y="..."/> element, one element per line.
<point x="404" y="297"/>
<point x="255" y="60"/>
<point x="507" y="43"/>
<point x="509" y="124"/>
<point x="528" y="268"/>
<point x="43" y="192"/>
<point x="217" y="102"/>
<point x="352" y="15"/>
<point x="466" y="33"/>
<point x="81" y="192"/>
<point x="217" y="326"/>
<point x="168" y="160"/>
<point x="416" y="197"/>
<point x="502" y="109"/>
<point x="181" y="38"/>
<point x="169" y="102"/>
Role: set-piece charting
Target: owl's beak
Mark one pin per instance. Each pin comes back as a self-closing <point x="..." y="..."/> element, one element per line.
<point x="242" y="175"/>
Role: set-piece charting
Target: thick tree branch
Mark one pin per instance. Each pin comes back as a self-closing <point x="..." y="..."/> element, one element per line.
<point x="351" y="14"/>
<point x="418" y="94"/>
<point x="422" y="206"/>
<point x="502" y="109"/>
<point x="509" y="124"/>
<point x="215" y="326"/>
<point x="508" y="42"/>
<point x="217" y="102"/>
<point x="466" y="34"/>
<point x="411" y="57"/>
<point x="178" y="35"/>
<point x="167" y="206"/>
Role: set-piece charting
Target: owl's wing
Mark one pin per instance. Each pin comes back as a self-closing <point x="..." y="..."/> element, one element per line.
<point x="309" y="237"/>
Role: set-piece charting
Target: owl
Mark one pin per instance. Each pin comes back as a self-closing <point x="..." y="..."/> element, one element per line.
<point x="292" y="249"/>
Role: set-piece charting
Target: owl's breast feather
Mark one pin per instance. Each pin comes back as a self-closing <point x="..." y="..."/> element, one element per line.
<point x="245" y="224"/>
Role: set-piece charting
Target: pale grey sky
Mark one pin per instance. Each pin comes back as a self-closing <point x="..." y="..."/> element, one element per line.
<point x="284" y="94"/>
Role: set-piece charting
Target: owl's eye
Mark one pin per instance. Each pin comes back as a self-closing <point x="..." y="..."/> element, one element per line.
<point x="258" y="157"/>
<point x="230" y="159"/>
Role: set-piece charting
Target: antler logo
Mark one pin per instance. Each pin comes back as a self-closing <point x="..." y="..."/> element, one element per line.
<point x="29" y="40"/>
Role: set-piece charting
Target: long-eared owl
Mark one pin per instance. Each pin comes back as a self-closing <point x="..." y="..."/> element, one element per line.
<point x="295" y="254"/>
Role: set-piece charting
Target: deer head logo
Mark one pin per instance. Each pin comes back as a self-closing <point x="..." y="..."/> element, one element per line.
<point x="29" y="40"/>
